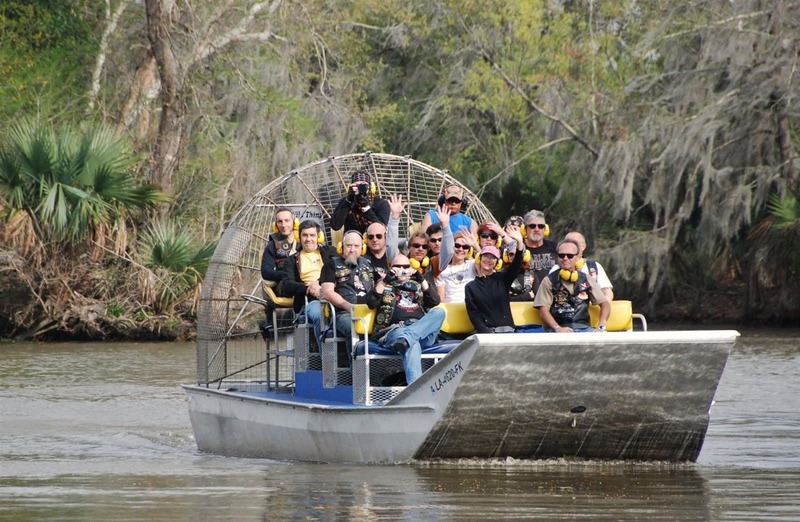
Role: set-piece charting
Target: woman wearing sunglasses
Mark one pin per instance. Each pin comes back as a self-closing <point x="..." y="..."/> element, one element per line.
<point x="564" y="296"/>
<point x="461" y="270"/>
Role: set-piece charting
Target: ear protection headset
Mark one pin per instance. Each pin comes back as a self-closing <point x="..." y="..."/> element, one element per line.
<point x="441" y="200"/>
<point x="340" y="244"/>
<point x="295" y="227"/>
<point x="526" y="256"/>
<point x="497" y="266"/>
<point x="569" y="276"/>
<point x="419" y="265"/>
<point x="340" y="248"/>
<point x="579" y="264"/>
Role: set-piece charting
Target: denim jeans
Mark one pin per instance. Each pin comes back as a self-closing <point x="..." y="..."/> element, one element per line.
<point x="313" y="312"/>
<point x="419" y="335"/>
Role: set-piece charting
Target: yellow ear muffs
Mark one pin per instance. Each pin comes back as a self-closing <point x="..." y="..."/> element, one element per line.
<point x="419" y="265"/>
<point x="579" y="264"/>
<point x="497" y="266"/>
<point x="295" y="227"/>
<point x="526" y="256"/>
<point x="522" y="231"/>
<point x="546" y="230"/>
<point x="340" y="247"/>
<point x="570" y="276"/>
<point x="373" y="188"/>
<point x="296" y="235"/>
<point x="321" y="237"/>
<point x="499" y="242"/>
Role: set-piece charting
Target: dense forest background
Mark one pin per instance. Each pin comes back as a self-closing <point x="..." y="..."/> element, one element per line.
<point x="132" y="130"/>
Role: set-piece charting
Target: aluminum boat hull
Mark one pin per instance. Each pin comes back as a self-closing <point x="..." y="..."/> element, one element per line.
<point x="629" y="395"/>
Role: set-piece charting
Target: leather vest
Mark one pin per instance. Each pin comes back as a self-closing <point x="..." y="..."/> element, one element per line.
<point x="383" y="317"/>
<point x="352" y="283"/>
<point x="569" y="308"/>
<point x="283" y="250"/>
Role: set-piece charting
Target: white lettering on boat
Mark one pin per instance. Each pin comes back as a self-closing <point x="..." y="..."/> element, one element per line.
<point x="447" y="376"/>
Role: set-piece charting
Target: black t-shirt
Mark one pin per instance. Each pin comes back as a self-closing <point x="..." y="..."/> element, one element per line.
<point x="542" y="260"/>
<point x="352" y="283"/>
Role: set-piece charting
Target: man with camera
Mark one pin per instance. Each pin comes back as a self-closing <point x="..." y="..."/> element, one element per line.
<point x="360" y="208"/>
<point x="406" y="321"/>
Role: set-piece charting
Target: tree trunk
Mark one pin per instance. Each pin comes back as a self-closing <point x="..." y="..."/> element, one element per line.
<point x="170" y="127"/>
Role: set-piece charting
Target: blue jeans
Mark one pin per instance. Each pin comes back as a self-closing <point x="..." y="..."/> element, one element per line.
<point x="419" y="335"/>
<point x="313" y="312"/>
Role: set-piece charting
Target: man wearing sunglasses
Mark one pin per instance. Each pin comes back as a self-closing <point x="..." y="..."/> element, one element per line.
<point x="406" y="321"/>
<point x="564" y="296"/>
<point x="590" y="267"/>
<point x="360" y="207"/>
<point x="543" y="251"/>
<point x="376" y="248"/>
<point x="453" y="199"/>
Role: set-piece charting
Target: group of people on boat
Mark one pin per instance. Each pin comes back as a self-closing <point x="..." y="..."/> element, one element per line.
<point x="447" y="258"/>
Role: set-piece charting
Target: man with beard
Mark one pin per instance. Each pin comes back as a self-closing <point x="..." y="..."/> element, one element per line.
<point x="543" y="251"/>
<point x="304" y="270"/>
<point x="402" y="323"/>
<point x="345" y="281"/>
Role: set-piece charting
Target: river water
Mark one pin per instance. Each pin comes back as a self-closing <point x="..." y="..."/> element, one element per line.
<point x="101" y="432"/>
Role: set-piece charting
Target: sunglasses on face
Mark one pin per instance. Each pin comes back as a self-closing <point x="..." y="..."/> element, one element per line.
<point x="401" y="266"/>
<point x="487" y="235"/>
<point x="453" y="201"/>
<point x="568" y="256"/>
<point x="435" y="240"/>
<point x="418" y="245"/>
<point x="459" y="246"/>
<point x="540" y="226"/>
<point x="374" y="236"/>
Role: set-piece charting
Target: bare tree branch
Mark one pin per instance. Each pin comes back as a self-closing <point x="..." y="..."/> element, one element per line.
<point x="111" y="26"/>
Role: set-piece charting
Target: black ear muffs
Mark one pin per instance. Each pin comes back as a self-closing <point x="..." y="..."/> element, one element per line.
<point x="441" y="200"/>
<point x="569" y="276"/>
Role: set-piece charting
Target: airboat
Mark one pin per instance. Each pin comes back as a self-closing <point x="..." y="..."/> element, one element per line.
<point x="630" y="394"/>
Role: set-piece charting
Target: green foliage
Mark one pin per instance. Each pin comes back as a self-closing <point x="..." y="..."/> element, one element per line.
<point x="46" y="49"/>
<point x="786" y="210"/>
<point x="178" y="263"/>
<point x="70" y="186"/>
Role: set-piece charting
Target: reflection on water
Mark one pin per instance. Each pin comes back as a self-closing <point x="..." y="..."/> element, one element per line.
<point x="95" y="431"/>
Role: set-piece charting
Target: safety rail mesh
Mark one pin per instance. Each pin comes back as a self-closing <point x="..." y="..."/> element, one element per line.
<point x="227" y="323"/>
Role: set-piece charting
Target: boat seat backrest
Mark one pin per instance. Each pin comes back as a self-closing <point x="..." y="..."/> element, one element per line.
<point x="457" y="321"/>
<point x="270" y="295"/>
